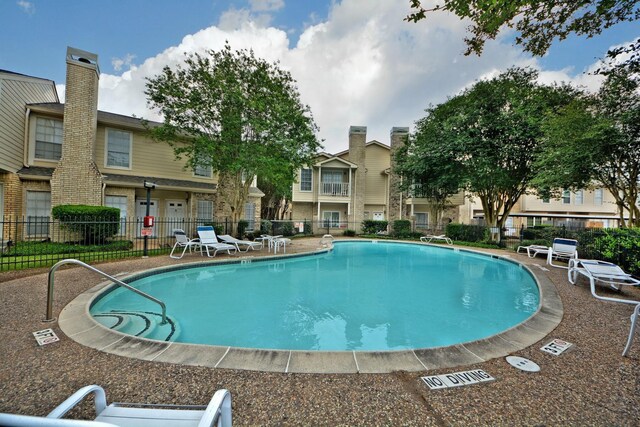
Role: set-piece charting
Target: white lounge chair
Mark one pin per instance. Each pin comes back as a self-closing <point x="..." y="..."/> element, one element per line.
<point x="208" y="240"/>
<point x="562" y="248"/>
<point x="632" y="331"/>
<point x="237" y="243"/>
<point x="429" y="237"/>
<point x="601" y="272"/>
<point x="609" y="274"/>
<point x="182" y="241"/>
<point x="217" y="412"/>
<point x="533" y="250"/>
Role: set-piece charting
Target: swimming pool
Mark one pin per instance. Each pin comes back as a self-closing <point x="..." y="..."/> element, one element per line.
<point x="362" y="296"/>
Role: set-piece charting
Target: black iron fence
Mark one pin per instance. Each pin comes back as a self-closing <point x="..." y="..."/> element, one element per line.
<point x="42" y="241"/>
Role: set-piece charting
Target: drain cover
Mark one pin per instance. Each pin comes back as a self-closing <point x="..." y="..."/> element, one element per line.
<point x="523" y="364"/>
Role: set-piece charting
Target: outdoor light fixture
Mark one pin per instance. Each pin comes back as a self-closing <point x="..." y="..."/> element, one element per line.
<point x="149" y="185"/>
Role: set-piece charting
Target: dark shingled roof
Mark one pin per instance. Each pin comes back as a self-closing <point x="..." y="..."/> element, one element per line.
<point x="103" y="116"/>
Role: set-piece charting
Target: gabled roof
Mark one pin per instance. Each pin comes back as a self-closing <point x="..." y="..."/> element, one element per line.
<point x="370" y="143"/>
<point x="104" y="117"/>
<point x="10" y="75"/>
<point x="338" y="159"/>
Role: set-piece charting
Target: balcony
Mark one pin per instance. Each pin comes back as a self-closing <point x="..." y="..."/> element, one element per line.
<point x="335" y="189"/>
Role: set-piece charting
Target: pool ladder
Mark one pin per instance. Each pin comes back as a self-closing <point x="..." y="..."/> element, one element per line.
<point x="49" y="316"/>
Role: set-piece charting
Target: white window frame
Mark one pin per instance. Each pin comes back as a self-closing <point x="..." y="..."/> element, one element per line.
<point x="41" y="213"/>
<point x="310" y="180"/>
<point x="203" y="171"/>
<point x="204" y="211"/>
<point x="566" y="197"/>
<point x="424" y="224"/>
<point x="333" y="223"/>
<point x="598" y="196"/>
<point x="106" y="149"/>
<point x="122" y="203"/>
<point x="578" y="197"/>
<point x="35" y="138"/>
<point x="250" y="215"/>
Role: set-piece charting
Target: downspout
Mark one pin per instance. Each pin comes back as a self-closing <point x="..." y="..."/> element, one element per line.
<point x="25" y="149"/>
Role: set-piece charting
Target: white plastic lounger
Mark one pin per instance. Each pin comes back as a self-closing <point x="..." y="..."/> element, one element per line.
<point x="237" y="243"/>
<point x="208" y="240"/>
<point x="612" y="275"/>
<point x="182" y="241"/>
<point x="632" y="331"/>
<point x="562" y="248"/>
<point x="216" y="413"/>
<point x="428" y="238"/>
<point x="533" y="250"/>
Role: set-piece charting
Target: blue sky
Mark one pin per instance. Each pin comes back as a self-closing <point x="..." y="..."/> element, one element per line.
<point x="356" y="61"/>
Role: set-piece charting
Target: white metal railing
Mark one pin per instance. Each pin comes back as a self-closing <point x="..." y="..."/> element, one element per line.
<point x="49" y="316"/>
<point x="338" y="189"/>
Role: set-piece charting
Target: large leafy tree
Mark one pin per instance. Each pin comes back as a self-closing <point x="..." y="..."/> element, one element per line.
<point x="428" y="171"/>
<point x="238" y="114"/>
<point x="487" y="139"/>
<point x="594" y="142"/>
<point x="537" y="22"/>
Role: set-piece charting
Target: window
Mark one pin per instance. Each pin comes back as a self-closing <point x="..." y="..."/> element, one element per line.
<point x="202" y="171"/>
<point x="331" y="219"/>
<point x="38" y="212"/>
<point x="250" y="215"/>
<point x="598" y="195"/>
<point x="118" y="149"/>
<point x="422" y="219"/>
<point x="48" y="139"/>
<point x="204" y="211"/>
<point x="305" y="180"/>
<point x="119" y="202"/>
<point x="566" y="197"/>
<point x="579" y="197"/>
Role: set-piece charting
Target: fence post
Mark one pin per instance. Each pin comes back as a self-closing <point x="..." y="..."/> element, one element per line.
<point x="521" y="232"/>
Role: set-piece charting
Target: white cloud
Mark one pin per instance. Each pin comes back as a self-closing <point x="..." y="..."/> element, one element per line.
<point x="368" y="69"/>
<point x="27" y="6"/>
<point x="119" y="63"/>
<point x="266" y="5"/>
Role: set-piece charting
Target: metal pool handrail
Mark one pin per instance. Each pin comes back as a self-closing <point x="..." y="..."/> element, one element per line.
<point x="49" y="316"/>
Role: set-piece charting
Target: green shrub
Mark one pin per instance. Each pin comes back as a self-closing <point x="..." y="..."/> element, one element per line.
<point x="466" y="233"/>
<point x="287" y="229"/>
<point x="618" y="245"/>
<point x="242" y="227"/>
<point x="94" y="224"/>
<point x="349" y="233"/>
<point x="308" y="228"/>
<point x="371" y="226"/>
<point x="52" y="248"/>
<point x="402" y="228"/>
<point x="266" y="227"/>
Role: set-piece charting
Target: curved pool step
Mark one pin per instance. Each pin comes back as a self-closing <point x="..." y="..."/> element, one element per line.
<point x="143" y="324"/>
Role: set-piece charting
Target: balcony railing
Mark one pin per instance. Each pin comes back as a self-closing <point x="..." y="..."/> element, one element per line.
<point x="336" y="189"/>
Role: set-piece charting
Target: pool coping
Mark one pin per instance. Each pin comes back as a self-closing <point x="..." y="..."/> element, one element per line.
<point x="76" y="322"/>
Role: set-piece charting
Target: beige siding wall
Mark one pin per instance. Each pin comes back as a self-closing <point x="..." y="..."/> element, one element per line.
<point x="15" y="92"/>
<point x="378" y="161"/>
<point x="306" y="196"/>
<point x="532" y="203"/>
<point x="148" y="158"/>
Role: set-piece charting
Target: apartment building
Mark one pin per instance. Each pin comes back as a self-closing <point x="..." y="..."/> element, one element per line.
<point x="340" y="190"/>
<point x="53" y="154"/>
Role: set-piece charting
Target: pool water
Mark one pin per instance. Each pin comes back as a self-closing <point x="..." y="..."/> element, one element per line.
<point x="371" y="296"/>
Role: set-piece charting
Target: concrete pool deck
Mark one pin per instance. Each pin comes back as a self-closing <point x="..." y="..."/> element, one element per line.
<point x="589" y="384"/>
<point x="77" y="323"/>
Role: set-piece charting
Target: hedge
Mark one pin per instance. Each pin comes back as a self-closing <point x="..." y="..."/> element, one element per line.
<point x="95" y="224"/>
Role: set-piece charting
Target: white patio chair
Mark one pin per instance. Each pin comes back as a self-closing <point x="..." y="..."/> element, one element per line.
<point x="632" y="331"/>
<point x="601" y="272"/>
<point x="217" y="412"/>
<point x="280" y="242"/>
<point x="430" y="237"/>
<point x="208" y="240"/>
<point x="237" y="243"/>
<point x="182" y="241"/>
<point x="533" y="250"/>
<point x="562" y="248"/>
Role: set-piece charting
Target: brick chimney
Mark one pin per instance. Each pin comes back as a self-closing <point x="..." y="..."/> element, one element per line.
<point x="398" y="137"/>
<point x="76" y="179"/>
<point x="357" y="155"/>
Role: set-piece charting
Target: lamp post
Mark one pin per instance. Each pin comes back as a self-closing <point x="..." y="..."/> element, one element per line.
<point x="149" y="186"/>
